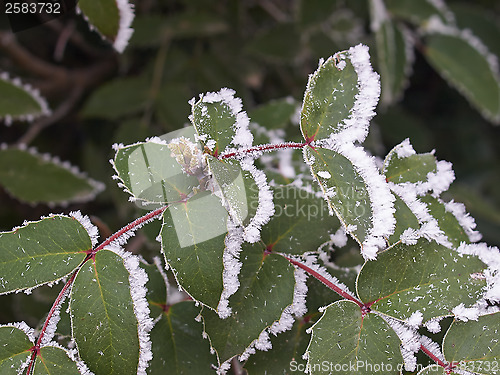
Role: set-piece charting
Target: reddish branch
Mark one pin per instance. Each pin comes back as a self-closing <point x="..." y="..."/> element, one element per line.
<point x="262" y="148"/>
<point x="327" y="282"/>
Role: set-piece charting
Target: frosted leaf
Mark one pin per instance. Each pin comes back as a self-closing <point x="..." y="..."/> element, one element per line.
<point x="137" y="280"/>
<point x="91" y="229"/>
<point x="381" y="199"/>
<point x="125" y="30"/>
<point x="297" y="308"/>
<point x="241" y="135"/>
<point x="30" y="332"/>
<point x="232" y="267"/>
<point x="491" y="257"/>
<point x="429" y="227"/>
<point x="466" y="221"/>
<point x="265" y="208"/>
<point x="34" y="95"/>
<point x="355" y="127"/>
<point x="435" y="25"/>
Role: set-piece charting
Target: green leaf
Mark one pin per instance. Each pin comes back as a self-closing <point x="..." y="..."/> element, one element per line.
<point x="118" y="98"/>
<point x="301" y="222"/>
<point x="56" y="183"/>
<point x="149" y="172"/>
<point x="426" y="277"/>
<point x="448" y="223"/>
<point x="275" y="114"/>
<point x="269" y="44"/>
<point x="418" y="12"/>
<point x="412" y="168"/>
<point x="395" y="56"/>
<point x="54" y="361"/>
<point x="329" y="98"/>
<point x="178" y="344"/>
<point x="238" y="188"/>
<point x="474" y="345"/>
<point x="433" y="370"/>
<point x="151" y="29"/>
<point x="15" y="348"/>
<point x="219" y="121"/>
<point x="103" y="322"/>
<point x="480" y="21"/>
<point x="41" y="252"/>
<point x="344" y="189"/>
<point x="111" y="18"/>
<point x="404" y="219"/>
<point x="285" y="355"/>
<point x="266" y="288"/>
<point x="344" y="342"/>
<point x="19" y="101"/>
<point x="156" y="286"/>
<point x="457" y="58"/>
<point x="193" y="241"/>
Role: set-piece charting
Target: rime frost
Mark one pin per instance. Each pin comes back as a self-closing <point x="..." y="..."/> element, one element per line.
<point x="265" y="208"/>
<point x="91" y="229"/>
<point x="30" y="332"/>
<point x="232" y="267"/>
<point x="137" y="280"/>
<point x="381" y="199"/>
<point x="433" y="325"/>
<point x="35" y="95"/>
<point x="125" y="31"/>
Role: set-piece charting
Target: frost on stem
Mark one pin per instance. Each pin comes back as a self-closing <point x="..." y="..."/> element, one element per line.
<point x="137" y="280"/>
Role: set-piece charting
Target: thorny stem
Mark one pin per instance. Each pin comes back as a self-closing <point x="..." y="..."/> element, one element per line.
<point x="35" y="350"/>
<point x="328" y="283"/>
<point x="261" y="148"/>
<point x="436" y="359"/>
<point x="129" y="227"/>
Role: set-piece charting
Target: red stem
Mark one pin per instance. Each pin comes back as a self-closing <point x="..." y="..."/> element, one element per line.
<point x="129" y="227"/>
<point x="36" y="349"/>
<point x="433" y="357"/>
<point x="269" y="147"/>
<point x="327" y="282"/>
